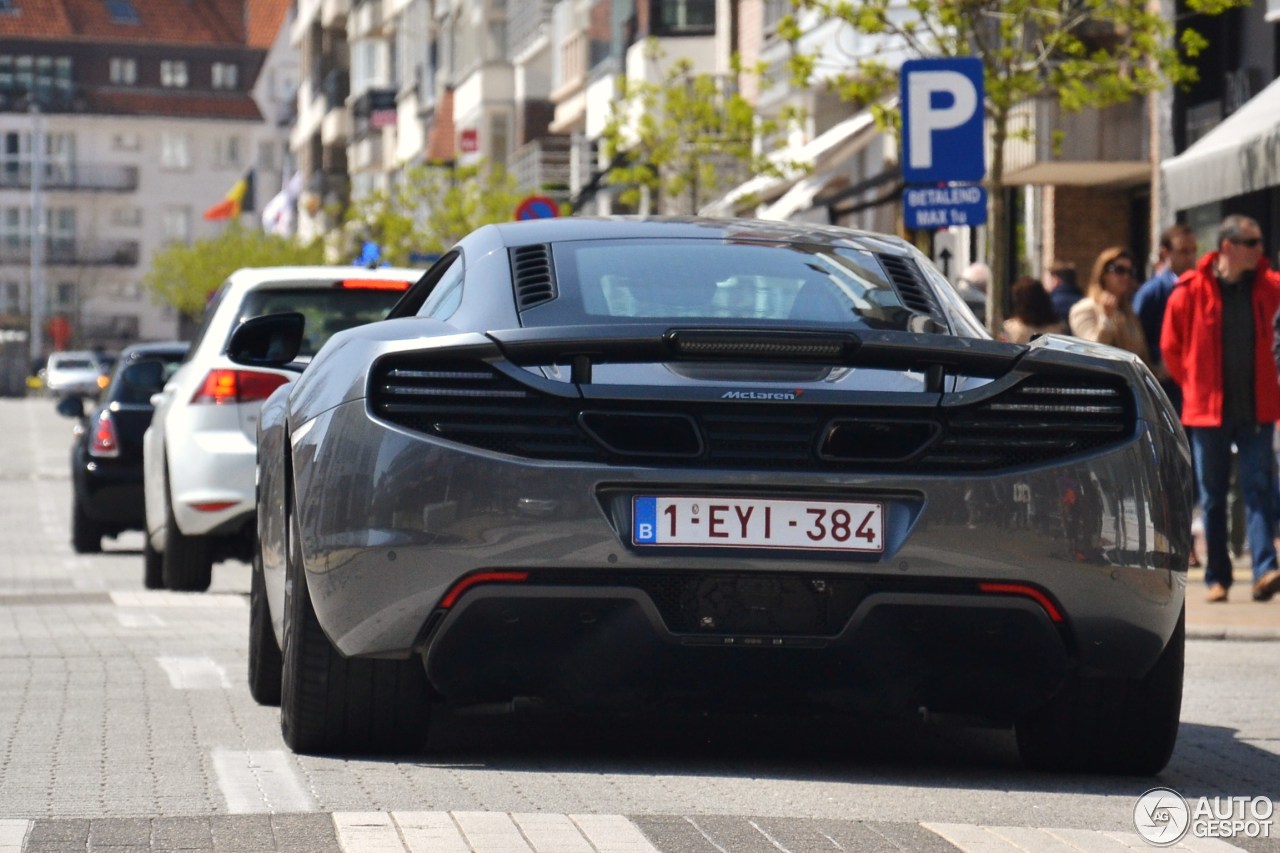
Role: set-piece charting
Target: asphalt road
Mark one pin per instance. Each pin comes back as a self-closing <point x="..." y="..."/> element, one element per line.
<point x="126" y="724"/>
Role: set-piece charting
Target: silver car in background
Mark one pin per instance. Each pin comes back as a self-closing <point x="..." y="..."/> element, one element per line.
<point x="621" y="465"/>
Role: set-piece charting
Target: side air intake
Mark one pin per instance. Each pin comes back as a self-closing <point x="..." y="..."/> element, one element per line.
<point x="912" y="287"/>
<point x="534" y="275"/>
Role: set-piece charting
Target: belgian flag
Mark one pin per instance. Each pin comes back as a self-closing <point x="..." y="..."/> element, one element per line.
<point x="238" y="199"/>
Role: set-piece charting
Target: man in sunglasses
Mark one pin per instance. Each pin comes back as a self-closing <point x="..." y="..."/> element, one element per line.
<point x="1215" y="340"/>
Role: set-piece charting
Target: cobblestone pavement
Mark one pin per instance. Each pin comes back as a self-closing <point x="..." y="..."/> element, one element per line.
<point x="125" y="725"/>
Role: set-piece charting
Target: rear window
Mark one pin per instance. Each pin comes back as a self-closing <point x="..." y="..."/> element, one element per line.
<point x="74" y="364"/>
<point x="328" y="308"/>
<point x="629" y="281"/>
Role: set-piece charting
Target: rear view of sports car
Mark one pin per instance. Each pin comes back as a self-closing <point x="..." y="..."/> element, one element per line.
<point x="617" y="464"/>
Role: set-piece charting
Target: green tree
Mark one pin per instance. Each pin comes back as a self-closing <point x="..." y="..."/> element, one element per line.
<point x="432" y="207"/>
<point x="686" y="140"/>
<point x="184" y="275"/>
<point x="1085" y="53"/>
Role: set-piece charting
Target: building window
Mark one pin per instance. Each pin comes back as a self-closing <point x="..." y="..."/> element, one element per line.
<point x="267" y="156"/>
<point x="126" y="141"/>
<point x="175" y="152"/>
<point x="122" y="12"/>
<point x="173" y="73"/>
<point x="124" y="71"/>
<point x="684" y="17"/>
<point x="227" y="152"/>
<point x="129" y="217"/>
<point x="64" y="297"/>
<point x="11" y="298"/>
<point x="226" y="75"/>
<point x="177" y="224"/>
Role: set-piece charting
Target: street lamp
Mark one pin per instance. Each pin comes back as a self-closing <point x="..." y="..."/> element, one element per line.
<point x="37" y="234"/>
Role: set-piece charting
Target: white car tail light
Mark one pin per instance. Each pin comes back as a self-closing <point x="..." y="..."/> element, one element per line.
<point x="237" y="386"/>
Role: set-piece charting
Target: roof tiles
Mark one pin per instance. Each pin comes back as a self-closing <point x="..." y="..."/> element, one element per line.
<point x="204" y="22"/>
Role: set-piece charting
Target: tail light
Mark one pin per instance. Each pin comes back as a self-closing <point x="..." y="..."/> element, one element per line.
<point x="104" y="443"/>
<point x="372" y="284"/>
<point x="237" y="386"/>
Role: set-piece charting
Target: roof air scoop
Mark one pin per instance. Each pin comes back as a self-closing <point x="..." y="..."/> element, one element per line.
<point x="533" y="274"/>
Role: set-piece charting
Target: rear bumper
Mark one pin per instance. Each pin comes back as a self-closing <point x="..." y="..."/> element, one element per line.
<point x="987" y="657"/>
<point x="111" y="493"/>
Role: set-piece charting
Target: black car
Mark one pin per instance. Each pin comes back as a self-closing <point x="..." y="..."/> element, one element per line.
<point x="106" y="456"/>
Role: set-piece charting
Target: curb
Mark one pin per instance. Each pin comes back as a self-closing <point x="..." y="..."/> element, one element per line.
<point x="1244" y="634"/>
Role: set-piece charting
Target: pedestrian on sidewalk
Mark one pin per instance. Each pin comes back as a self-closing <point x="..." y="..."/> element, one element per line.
<point x="1177" y="255"/>
<point x="1062" y="287"/>
<point x="1106" y="313"/>
<point x="1217" y="330"/>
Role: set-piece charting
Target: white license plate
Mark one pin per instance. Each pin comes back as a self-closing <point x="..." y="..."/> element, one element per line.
<point x="758" y="523"/>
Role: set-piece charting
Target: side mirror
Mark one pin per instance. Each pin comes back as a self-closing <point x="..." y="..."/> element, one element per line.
<point x="272" y="340"/>
<point x="71" y="407"/>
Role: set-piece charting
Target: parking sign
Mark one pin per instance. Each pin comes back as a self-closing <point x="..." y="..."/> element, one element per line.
<point x="942" y="120"/>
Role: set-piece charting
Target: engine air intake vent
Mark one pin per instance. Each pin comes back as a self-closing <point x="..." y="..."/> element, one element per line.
<point x="534" y="275"/>
<point x="1041" y="420"/>
<point x="912" y="287"/>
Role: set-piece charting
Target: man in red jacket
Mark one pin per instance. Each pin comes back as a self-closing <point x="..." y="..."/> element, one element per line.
<point x="1216" y="339"/>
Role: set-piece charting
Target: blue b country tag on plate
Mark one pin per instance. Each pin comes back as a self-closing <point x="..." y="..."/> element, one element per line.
<point x="645" y="524"/>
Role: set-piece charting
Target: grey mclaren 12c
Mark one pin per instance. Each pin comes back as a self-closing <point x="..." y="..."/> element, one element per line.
<point x="618" y="465"/>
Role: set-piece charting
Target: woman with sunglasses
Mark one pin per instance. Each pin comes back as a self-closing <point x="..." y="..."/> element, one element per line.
<point x="1106" y="313"/>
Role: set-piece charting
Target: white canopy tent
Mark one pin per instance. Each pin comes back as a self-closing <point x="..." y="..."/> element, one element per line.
<point x="823" y="154"/>
<point x="1240" y="155"/>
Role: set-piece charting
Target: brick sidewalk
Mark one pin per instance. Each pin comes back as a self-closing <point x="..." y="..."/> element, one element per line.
<point x="1239" y="617"/>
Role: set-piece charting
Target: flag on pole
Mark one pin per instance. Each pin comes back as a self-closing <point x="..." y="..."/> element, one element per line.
<point x="237" y="200"/>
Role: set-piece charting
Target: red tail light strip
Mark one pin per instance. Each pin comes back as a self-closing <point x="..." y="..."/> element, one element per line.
<point x="213" y="506"/>
<point x="373" y="284"/>
<point x="1055" y="615"/>
<point x="480" y="577"/>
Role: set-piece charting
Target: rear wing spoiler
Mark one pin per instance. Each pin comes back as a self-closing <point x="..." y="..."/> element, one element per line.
<point x="581" y="347"/>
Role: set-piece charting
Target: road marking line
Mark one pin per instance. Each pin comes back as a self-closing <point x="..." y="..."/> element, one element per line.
<point x="259" y="781"/>
<point x="200" y="673"/>
<point x="367" y="832"/>
<point x="491" y="832"/>
<point x="704" y="834"/>
<point x="159" y="598"/>
<point x="139" y="620"/>
<point x="612" y="833"/>
<point x="430" y="832"/>
<point x="767" y="836"/>
<point x="12" y="834"/>
<point x="972" y="838"/>
<point x="551" y="832"/>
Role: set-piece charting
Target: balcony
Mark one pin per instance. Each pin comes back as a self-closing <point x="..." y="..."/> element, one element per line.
<point x="365" y="20"/>
<point x="88" y="177"/>
<point x="526" y="22"/>
<point x="574" y="61"/>
<point x="543" y="166"/>
<point x="1098" y="147"/>
<point x="333" y="13"/>
<point x="74" y="253"/>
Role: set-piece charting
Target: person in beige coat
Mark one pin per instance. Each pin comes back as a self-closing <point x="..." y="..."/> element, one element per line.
<point x="1106" y="313"/>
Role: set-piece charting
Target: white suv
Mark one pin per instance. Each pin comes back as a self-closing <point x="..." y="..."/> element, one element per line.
<point x="199" y="454"/>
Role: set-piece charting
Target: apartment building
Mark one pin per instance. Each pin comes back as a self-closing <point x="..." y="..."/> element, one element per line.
<point x="121" y="121"/>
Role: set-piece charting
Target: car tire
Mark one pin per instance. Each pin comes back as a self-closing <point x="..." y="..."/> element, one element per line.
<point x="86" y="536"/>
<point x="265" y="660"/>
<point x="335" y="705"/>
<point x="152" y="565"/>
<point x="187" y="564"/>
<point x="1110" y="725"/>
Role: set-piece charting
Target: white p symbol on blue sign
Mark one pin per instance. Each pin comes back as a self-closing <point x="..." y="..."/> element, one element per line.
<point x="942" y="120"/>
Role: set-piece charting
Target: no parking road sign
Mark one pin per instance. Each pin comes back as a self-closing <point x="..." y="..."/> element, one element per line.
<point x="537" y="207"/>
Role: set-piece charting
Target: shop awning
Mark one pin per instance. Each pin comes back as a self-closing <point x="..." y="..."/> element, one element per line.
<point x="1241" y="155"/>
<point x="823" y="153"/>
